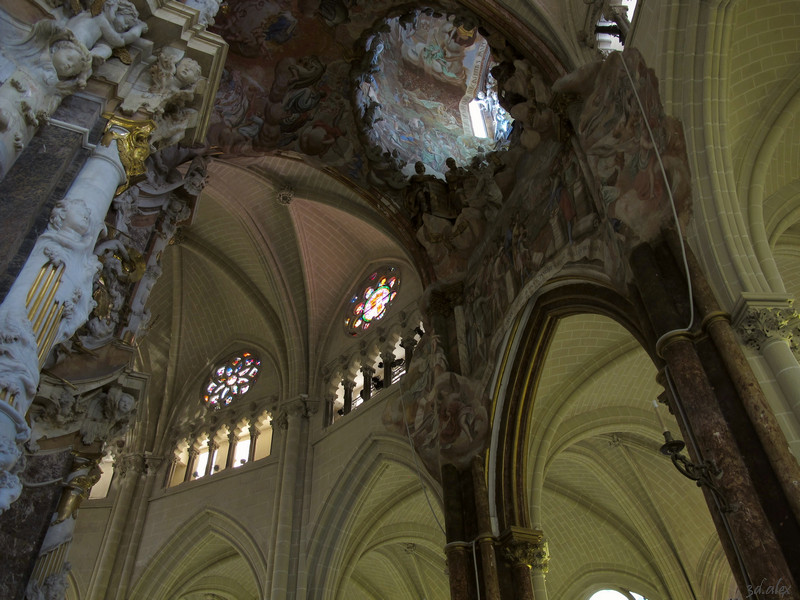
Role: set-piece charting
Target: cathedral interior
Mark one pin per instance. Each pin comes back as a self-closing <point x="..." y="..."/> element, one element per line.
<point x="347" y="300"/>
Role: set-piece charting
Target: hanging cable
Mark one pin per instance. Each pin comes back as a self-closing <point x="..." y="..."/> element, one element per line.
<point x="687" y="329"/>
<point x="416" y="466"/>
<point x="672" y="206"/>
<point x="475" y="564"/>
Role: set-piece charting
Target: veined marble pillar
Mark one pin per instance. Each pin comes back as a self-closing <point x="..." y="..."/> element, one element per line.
<point x="49" y="573"/>
<point x="755" y="550"/>
<point x="51" y="297"/>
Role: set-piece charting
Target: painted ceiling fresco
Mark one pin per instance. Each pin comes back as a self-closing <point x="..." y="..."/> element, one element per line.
<point x="424" y="76"/>
<point x="347" y="85"/>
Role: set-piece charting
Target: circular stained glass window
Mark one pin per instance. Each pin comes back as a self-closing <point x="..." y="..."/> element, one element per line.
<point x="235" y="377"/>
<point x="373" y="298"/>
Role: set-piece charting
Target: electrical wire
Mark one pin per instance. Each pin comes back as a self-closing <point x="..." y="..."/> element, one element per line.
<point x="38" y="484"/>
<point x="672" y="206"/>
<point x="416" y="466"/>
<point x="687" y="329"/>
<point x="699" y="455"/>
<point x="475" y="564"/>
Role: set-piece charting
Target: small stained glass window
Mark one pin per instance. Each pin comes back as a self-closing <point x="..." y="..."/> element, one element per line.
<point x="372" y="299"/>
<point x="235" y="377"/>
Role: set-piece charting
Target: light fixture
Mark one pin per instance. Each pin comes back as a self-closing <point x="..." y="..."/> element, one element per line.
<point x="703" y="473"/>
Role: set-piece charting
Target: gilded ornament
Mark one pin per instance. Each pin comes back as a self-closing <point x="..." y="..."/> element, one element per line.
<point x="133" y="142"/>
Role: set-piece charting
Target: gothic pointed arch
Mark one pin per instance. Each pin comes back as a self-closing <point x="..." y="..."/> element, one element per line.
<point x="209" y="536"/>
<point x="377" y="514"/>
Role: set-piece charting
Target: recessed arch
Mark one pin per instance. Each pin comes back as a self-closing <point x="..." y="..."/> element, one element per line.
<point x="361" y="515"/>
<point x="519" y="376"/>
<point x="578" y="405"/>
<point x="170" y="569"/>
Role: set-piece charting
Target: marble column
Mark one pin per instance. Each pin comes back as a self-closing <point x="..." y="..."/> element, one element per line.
<point x="718" y="324"/>
<point x="367" y="372"/>
<point x="348" y="395"/>
<point x="52" y="296"/>
<point x="49" y="572"/>
<point x="491" y="584"/>
<point x="746" y="533"/>
<point x="527" y="553"/>
<point x="254" y="433"/>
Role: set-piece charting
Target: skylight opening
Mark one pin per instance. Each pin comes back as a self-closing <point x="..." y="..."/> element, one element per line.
<point x="608" y="42"/>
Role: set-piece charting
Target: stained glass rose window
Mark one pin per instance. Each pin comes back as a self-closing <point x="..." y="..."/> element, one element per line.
<point x="235" y="377"/>
<point x="371" y="300"/>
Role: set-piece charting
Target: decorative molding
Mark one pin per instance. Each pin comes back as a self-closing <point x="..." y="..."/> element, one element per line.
<point x="285" y="195"/>
<point x="133" y="143"/>
<point x="526" y="547"/>
<point x="759" y="319"/>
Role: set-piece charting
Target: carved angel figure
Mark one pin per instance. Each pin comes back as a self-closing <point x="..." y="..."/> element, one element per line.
<point x="116" y="26"/>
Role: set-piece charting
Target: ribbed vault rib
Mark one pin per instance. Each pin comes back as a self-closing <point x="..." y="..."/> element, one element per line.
<point x="211" y="255"/>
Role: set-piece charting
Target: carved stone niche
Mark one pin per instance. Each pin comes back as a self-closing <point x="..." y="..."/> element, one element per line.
<point x="165" y="75"/>
<point x="85" y="414"/>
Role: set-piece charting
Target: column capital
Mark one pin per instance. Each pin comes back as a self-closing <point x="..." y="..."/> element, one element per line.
<point x="133" y="463"/>
<point x="297" y="407"/>
<point x="526" y="547"/>
<point x="133" y="143"/>
<point x="758" y="319"/>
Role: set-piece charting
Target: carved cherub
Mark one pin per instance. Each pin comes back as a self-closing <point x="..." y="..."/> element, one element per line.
<point x="115" y="27"/>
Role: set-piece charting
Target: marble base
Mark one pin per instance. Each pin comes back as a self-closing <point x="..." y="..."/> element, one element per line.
<point x="41" y="176"/>
<point x="24" y="525"/>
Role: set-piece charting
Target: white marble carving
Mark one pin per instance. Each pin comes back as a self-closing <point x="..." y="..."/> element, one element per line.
<point x="116" y="26"/>
<point x="207" y="8"/>
<point x="39" y="66"/>
<point x="67" y="247"/>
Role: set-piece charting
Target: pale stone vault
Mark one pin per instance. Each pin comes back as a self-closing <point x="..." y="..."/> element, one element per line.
<point x="586" y="379"/>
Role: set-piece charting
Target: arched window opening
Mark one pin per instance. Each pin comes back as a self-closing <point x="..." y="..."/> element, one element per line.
<point x="612" y="29"/>
<point x="263" y="445"/>
<point x="610" y="595"/>
<point x="242" y="451"/>
<point x="231" y="379"/>
<point x="371" y="299"/>
<point x="100" y="489"/>
<point x="353" y="388"/>
<point x="233" y="445"/>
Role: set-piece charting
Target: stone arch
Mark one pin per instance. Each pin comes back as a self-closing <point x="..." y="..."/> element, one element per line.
<point x="343" y="532"/>
<point x="171" y="568"/>
<point x="524" y="352"/>
<point x="603" y="576"/>
<point x="575" y="440"/>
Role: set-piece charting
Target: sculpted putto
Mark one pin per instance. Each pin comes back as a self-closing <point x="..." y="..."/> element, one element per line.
<point x="115" y="27"/>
